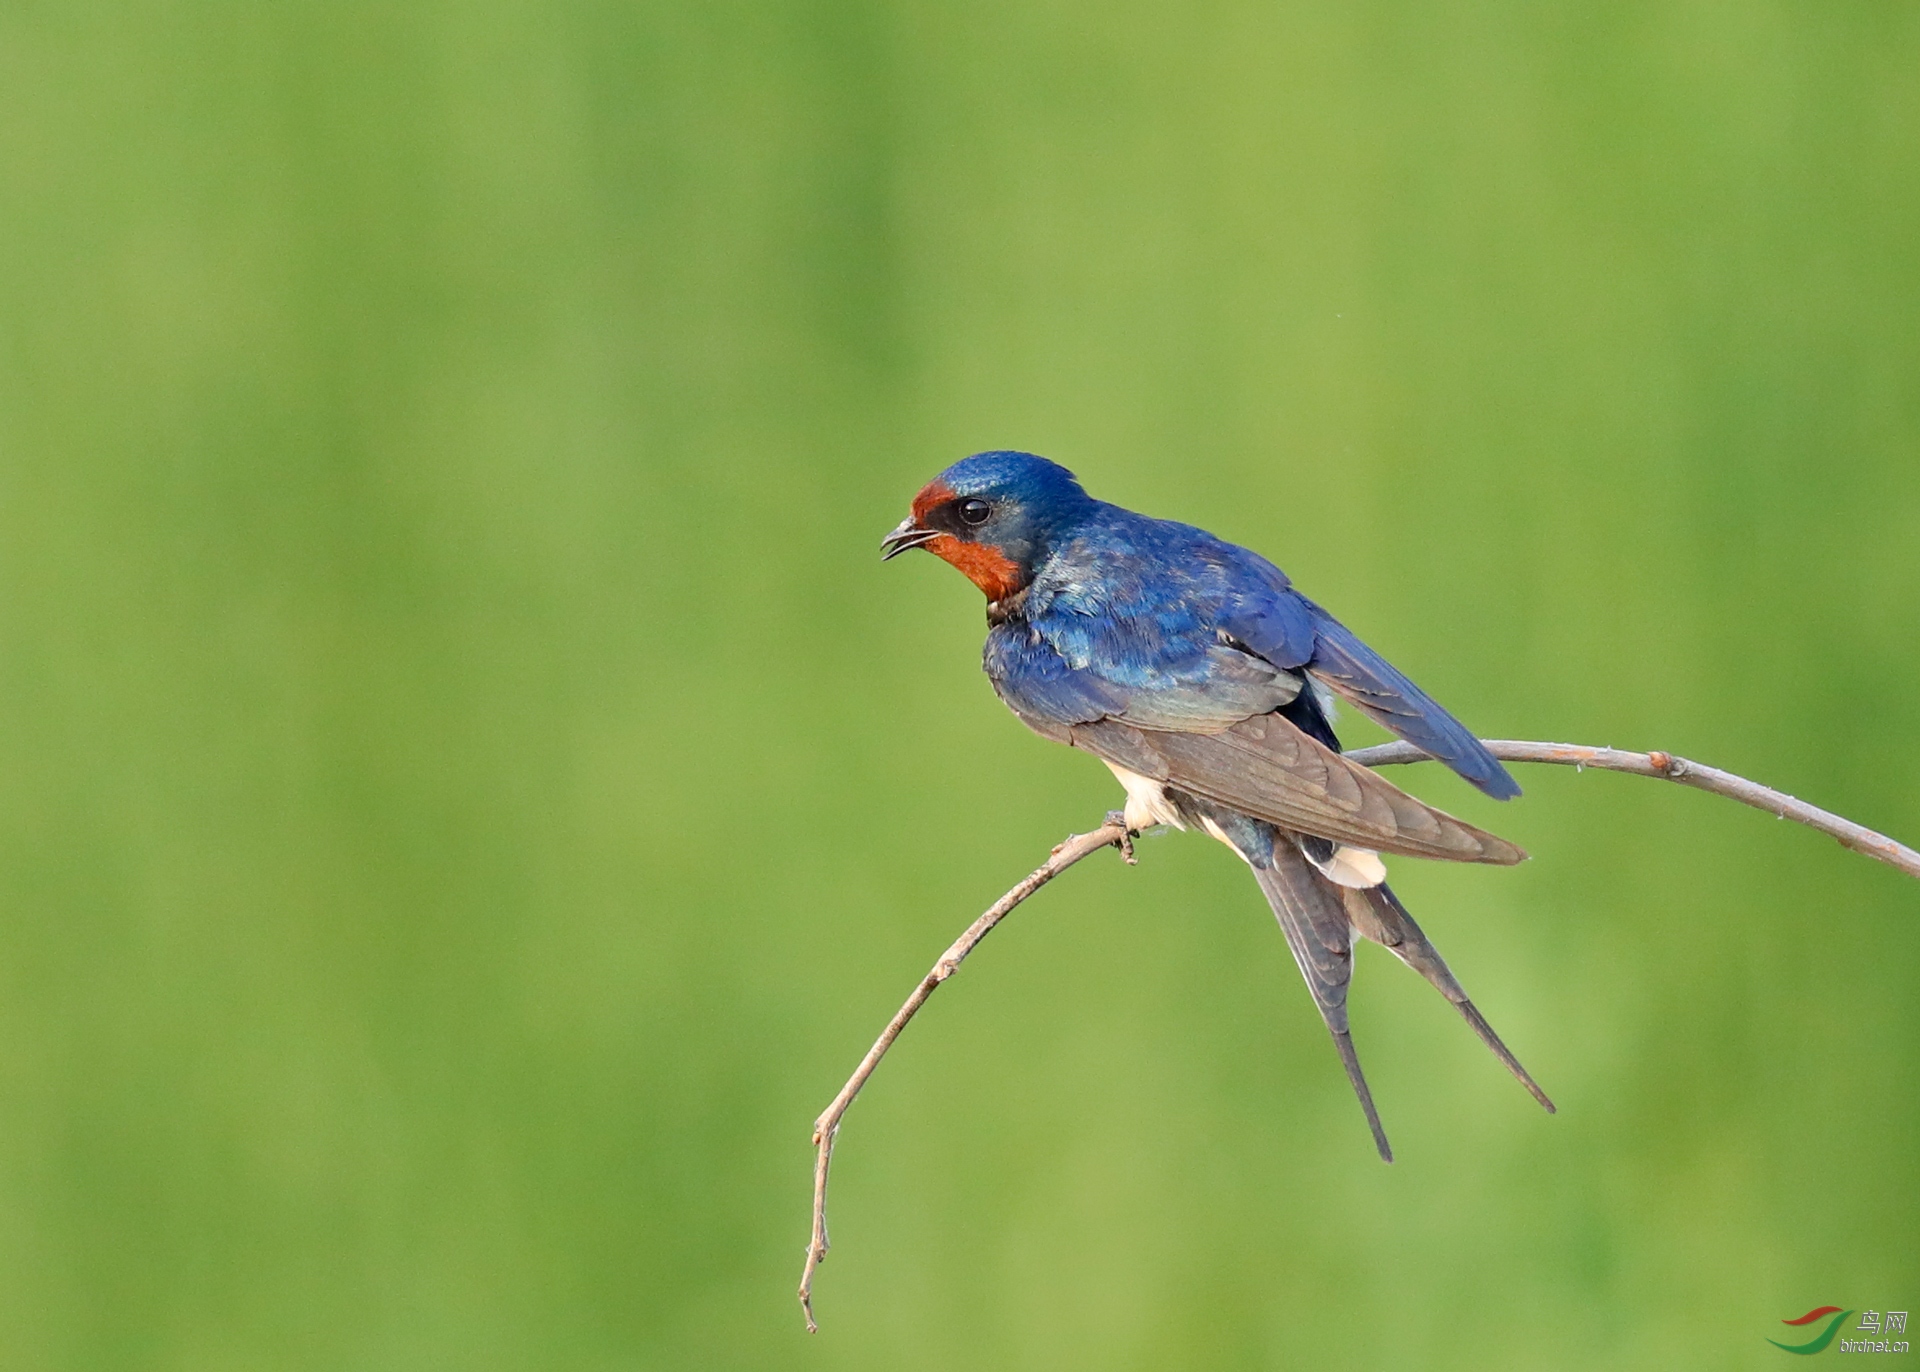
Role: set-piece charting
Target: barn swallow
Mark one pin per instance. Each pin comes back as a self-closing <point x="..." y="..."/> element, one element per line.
<point x="1206" y="683"/>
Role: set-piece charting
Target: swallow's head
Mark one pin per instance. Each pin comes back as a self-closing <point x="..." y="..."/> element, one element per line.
<point x="991" y="515"/>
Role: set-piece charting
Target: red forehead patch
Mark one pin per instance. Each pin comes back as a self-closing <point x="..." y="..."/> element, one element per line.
<point x="932" y="496"/>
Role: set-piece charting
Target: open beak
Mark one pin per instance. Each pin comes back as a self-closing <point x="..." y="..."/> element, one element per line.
<point x="906" y="534"/>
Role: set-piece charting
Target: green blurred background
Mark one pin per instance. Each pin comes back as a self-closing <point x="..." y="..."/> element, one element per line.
<point x="469" y="792"/>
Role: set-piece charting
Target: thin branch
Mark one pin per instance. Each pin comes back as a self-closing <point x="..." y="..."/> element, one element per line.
<point x="1112" y="834"/>
<point x="1667" y="767"/>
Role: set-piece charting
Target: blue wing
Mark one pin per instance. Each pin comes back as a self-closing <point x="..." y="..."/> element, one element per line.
<point x="1283" y="626"/>
<point x="1383" y="694"/>
<point x="1274" y="622"/>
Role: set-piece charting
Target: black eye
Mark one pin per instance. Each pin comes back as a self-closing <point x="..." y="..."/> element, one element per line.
<point x="975" y="511"/>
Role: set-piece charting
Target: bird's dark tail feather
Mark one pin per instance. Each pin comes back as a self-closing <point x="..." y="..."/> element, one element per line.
<point x="1378" y="914"/>
<point x="1316" y="923"/>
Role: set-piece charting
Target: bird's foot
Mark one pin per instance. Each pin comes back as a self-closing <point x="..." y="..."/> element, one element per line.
<point x="1125" y="842"/>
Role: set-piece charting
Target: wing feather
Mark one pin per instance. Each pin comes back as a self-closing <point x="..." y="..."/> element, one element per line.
<point x="1268" y="768"/>
<point x="1384" y="694"/>
<point x="1314" y="920"/>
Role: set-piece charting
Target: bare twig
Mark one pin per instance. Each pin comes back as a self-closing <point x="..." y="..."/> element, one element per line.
<point x="1670" y="768"/>
<point x="1109" y="835"/>
<point x="1114" y="833"/>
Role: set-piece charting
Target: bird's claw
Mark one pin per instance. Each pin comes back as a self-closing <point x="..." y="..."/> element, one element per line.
<point x="1125" y="842"/>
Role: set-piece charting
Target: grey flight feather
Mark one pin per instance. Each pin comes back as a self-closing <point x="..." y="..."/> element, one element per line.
<point x="1266" y="767"/>
<point x="1314" y="919"/>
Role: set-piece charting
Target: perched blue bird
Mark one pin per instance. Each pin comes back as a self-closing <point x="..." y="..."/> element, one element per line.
<point x="1195" y="671"/>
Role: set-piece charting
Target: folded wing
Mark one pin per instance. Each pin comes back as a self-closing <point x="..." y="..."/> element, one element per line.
<point x="1381" y="692"/>
<point x="1266" y="767"/>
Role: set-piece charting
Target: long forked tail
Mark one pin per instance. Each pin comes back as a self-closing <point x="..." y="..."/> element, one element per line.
<point x="1319" y="918"/>
<point x="1378" y="914"/>
<point x="1315" y="920"/>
